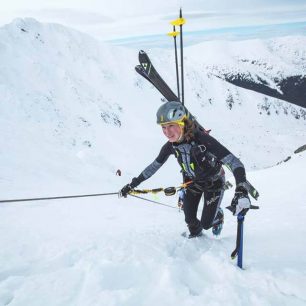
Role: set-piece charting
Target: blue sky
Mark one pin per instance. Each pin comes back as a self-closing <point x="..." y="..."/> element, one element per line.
<point x="228" y="33"/>
<point x="157" y="5"/>
<point x="121" y="19"/>
<point x="139" y="7"/>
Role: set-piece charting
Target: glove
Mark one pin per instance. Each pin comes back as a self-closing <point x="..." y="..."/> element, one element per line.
<point x="125" y="190"/>
<point x="241" y="202"/>
<point x="128" y="187"/>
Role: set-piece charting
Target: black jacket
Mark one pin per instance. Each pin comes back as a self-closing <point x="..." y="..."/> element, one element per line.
<point x="200" y="159"/>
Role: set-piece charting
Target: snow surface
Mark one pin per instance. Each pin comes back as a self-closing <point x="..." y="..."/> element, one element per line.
<point x="73" y="111"/>
<point x="109" y="251"/>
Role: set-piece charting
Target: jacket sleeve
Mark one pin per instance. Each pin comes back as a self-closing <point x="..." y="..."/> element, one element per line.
<point x="225" y="157"/>
<point x="162" y="157"/>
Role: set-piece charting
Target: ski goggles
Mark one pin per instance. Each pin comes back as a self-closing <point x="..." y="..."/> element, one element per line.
<point x="180" y="122"/>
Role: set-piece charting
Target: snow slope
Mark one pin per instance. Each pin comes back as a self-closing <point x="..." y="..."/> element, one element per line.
<point x="109" y="251"/>
<point x="73" y="111"/>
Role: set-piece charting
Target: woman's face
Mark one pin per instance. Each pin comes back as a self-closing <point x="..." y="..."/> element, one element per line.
<point x="172" y="131"/>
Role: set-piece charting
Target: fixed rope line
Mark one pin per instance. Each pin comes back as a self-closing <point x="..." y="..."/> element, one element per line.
<point x="155" y="202"/>
<point x="59" y="197"/>
<point x="145" y="191"/>
<point x="169" y="191"/>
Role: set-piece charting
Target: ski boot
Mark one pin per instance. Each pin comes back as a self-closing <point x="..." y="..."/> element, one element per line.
<point x="195" y="229"/>
<point x="219" y="220"/>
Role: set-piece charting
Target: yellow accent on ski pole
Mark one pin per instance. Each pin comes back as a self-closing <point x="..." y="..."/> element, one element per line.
<point x="173" y="34"/>
<point x="178" y="22"/>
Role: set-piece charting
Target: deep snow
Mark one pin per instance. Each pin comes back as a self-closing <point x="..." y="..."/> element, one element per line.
<point x="109" y="251"/>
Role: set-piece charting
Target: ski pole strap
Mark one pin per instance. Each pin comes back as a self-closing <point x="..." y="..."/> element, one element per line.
<point x="240" y="220"/>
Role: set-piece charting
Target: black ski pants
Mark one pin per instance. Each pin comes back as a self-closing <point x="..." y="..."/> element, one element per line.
<point x="212" y="202"/>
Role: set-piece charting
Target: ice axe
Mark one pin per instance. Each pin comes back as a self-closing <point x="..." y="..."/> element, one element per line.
<point x="238" y="252"/>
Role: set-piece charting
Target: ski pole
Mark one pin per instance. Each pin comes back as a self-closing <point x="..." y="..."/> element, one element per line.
<point x="182" y="58"/>
<point x="179" y="22"/>
<point x="174" y="34"/>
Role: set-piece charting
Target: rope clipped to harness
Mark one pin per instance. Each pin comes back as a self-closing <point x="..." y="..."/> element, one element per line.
<point x="168" y="191"/>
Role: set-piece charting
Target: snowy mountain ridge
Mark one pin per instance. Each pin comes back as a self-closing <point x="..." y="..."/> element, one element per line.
<point x="269" y="66"/>
<point x="62" y="89"/>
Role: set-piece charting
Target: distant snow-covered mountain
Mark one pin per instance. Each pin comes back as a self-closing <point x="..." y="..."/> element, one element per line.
<point x="273" y="67"/>
<point x="280" y="74"/>
<point x="69" y="102"/>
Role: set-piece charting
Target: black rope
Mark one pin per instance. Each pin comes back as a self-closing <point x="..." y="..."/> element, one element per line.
<point x="141" y="198"/>
<point x="79" y="196"/>
<point x="91" y="195"/>
<point x="60" y="197"/>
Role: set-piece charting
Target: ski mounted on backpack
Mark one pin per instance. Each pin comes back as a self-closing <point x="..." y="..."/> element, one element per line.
<point x="148" y="71"/>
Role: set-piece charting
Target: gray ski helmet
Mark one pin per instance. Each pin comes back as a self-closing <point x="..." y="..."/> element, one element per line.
<point x="171" y="111"/>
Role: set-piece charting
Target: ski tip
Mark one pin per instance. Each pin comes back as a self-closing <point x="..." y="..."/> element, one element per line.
<point x="142" y="52"/>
